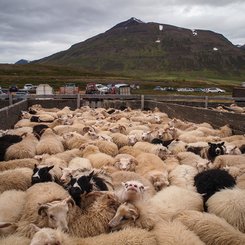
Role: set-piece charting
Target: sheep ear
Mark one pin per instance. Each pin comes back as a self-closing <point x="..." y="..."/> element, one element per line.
<point x="70" y="201"/>
<point x="61" y="168"/>
<point x="5" y="224"/>
<point x="49" y="168"/>
<point x="35" y="166"/>
<point x="43" y="210"/>
<point x="134" y="213"/>
<point x="209" y="143"/>
<point x="222" y="143"/>
<point x="34" y="227"/>
<point x="91" y="175"/>
<point x="123" y="184"/>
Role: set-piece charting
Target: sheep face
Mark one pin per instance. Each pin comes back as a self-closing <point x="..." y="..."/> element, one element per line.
<point x="132" y="139"/>
<point x="159" y="179"/>
<point x="126" y="213"/>
<point x="163" y="152"/>
<point x="216" y="149"/>
<point x="133" y="190"/>
<point x="41" y="175"/>
<point x="56" y="213"/>
<point x="203" y="166"/>
<point x="66" y="175"/>
<point x="126" y="164"/>
<point x="146" y="135"/>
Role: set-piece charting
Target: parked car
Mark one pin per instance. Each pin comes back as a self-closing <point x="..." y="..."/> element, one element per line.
<point x="13" y="89"/>
<point x="185" y="89"/>
<point x="91" y="89"/>
<point x="102" y="88"/>
<point x="214" y="90"/>
<point x="28" y="86"/>
<point x="158" y="88"/>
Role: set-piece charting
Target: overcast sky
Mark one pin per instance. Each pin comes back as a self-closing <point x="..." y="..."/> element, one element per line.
<point x="32" y="29"/>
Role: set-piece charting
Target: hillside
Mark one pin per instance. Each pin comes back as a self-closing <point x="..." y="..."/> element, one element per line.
<point x="136" y="47"/>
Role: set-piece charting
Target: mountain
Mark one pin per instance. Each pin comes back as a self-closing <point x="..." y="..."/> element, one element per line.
<point x="21" y="62"/>
<point x="134" y="46"/>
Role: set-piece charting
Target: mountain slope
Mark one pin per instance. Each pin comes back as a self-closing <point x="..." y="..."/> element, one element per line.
<point x="133" y="46"/>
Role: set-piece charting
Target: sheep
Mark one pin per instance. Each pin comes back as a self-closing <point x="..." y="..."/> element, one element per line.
<point x="125" y="162"/>
<point x="177" y="146"/>
<point x="11" y="205"/>
<point x="124" y="176"/>
<point x="241" y="181"/>
<point x="193" y="160"/>
<point x="229" y="204"/>
<point x="39" y="198"/>
<point x="215" y="150"/>
<point x="39" y="129"/>
<point x="166" y="232"/>
<point x="232" y="149"/>
<point x="18" y="163"/>
<point x="49" y="143"/>
<point x="211" y="229"/>
<point x="15" y="239"/>
<point x="97" y="158"/>
<point x="159" y="150"/>
<point x="120" y="139"/>
<point x="211" y="181"/>
<point x="74" y="140"/>
<point x="6" y="141"/>
<point x="129" y="150"/>
<point x="107" y="147"/>
<point x="132" y="236"/>
<point x="132" y="191"/>
<point x="19" y="179"/>
<point x="24" y="149"/>
<point x="183" y="176"/>
<point x="228" y="160"/>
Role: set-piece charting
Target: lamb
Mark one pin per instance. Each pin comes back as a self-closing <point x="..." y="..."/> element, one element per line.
<point x="120" y="139"/>
<point x="24" y="149"/>
<point x="183" y="176"/>
<point x="211" y="229"/>
<point x="97" y="158"/>
<point x="133" y="236"/>
<point x="19" y="179"/>
<point x="39" y="198"/>
<point x="49" y="143"/>
<point x="18" y="163"/>
<point x="211" y="181"/>
<point x="11" y="205"/>
<point x="229" y="204"/>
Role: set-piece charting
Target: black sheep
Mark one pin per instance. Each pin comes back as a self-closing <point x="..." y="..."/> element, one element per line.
<point x="6" y="141"/>
<point x="42" y="175"/>
<point x="211" y="181"/>
<point x="84" y="185"/>
<point x="215" y="150"/>
<point x="165" y="143"/>
<point x="39" y="129"/>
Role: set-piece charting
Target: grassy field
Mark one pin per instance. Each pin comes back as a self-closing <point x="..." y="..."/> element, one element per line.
<point x="56" y="76"/>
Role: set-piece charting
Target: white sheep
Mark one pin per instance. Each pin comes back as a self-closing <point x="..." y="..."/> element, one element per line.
<point x="107" y="147"/>
<point x="18" y="163"/>
<point x="241" y="181"/>
<point x="39" y="198"/>
<point x="11" y="205"/>
<point x="125" y="162"/>
<point x="24" y="149"/>
<point x="158" y="150"/>
<point x="15" y="239"/>
<point x="74" y="140"/>
<point x="50" y="143"/>
<point x="132" y="236"/>
<point x="228" y="160"/>
<point x="229" y="204"/>
<point x="120" y="139"/>
<point x="177" y="146"/>
<point x="19" y="179"/>
<point x="210" y="228"/>
<point x="183" y="176"/>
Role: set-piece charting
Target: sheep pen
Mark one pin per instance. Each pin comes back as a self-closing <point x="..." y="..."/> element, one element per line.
<point x="157" y="178"/>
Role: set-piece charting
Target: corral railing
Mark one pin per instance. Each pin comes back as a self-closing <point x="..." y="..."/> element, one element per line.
<point x="191" y="108"/>
<point x="199" y="101"/>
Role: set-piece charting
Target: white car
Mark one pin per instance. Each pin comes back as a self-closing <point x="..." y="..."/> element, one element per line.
<point x="215" y="90"/>
<point x="102" y="88"/>
<point x="28" y="86"/>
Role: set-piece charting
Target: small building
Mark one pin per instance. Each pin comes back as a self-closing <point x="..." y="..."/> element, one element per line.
<point x="44" y="89"/>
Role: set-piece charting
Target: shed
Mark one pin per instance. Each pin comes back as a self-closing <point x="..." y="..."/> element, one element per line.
<point x="44" y="89"/>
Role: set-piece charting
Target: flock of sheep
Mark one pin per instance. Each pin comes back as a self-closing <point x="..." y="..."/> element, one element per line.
<point x="107" y="176"/>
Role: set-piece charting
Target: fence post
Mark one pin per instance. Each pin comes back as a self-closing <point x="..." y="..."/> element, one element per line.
<point x="206" y="102"/>
<point x="10" y="99"/>
<point x="142" y="102"/>
<point x="78" y="101"/>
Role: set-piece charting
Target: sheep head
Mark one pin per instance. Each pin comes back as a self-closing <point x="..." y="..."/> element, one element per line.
<point x="126" y="214"/>
<point x="56" y="213"/>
